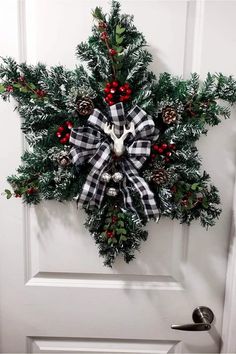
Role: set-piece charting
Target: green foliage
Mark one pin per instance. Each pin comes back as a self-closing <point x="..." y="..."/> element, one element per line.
<point x="115" y="231"/>
<point x="46" y="98"/>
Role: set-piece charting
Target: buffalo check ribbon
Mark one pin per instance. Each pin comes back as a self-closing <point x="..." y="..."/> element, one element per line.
<point x="91" y="145"/>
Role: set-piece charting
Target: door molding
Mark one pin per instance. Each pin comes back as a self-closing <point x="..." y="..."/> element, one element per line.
<point x="229" y="315"/>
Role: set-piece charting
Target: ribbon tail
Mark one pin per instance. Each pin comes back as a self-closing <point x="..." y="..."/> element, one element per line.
<point x="147" y="197"/>
<point x="128" y="200"/>
<point x="93" y="188"/>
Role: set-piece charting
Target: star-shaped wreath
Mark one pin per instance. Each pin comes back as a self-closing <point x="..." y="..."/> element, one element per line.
<point x="113" y="137"/>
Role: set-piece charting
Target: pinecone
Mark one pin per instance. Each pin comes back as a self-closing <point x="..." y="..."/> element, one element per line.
<point x="160" y="176"/>
<point x="169" y="115"/>
<point x="85" y="106"/>
<point x="63" y="159"/>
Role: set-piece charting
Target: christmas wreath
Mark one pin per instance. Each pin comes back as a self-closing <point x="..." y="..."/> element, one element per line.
<point x="114" y="138"/>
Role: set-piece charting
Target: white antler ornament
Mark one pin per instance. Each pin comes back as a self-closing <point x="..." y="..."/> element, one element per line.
<point x="118" y="146"/>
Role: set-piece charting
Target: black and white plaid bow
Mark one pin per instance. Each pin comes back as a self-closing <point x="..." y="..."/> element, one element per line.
<point x="90" y="144"/>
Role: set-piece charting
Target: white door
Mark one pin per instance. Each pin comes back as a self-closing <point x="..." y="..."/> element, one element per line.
<point x="56" y="296"/>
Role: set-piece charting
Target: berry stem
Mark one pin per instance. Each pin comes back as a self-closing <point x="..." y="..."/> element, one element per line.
<point x="111" y="58"/>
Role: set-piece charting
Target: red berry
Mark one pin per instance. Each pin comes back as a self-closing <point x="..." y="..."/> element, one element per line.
<point x="107" y="89"/>
<point x="9" y="88"/>
<point x="167" y="159"/>
<point x="110" y="234"/>
<point x="114" y="219"/>
<point x="111" y="103"/>
<point x="21" y="79"/>
<point x="172" y="146"/>
<point x="60" y="129"/>
<point x="128" y="91"/>
<point x="153" y="156"/>
<point x="108" y="85"/>
<point x="160" y="150"/>
<point x="104" y="36"/>
<point x="122" y="98"/>
<point x="122" y="89"/>
<point x="126" y="85"/>
<point x="112" y="90"/>
<point x="31" y="190"/>
<point x="67" y="136"/>
<point x="63" y="140"/>
<point x="17" y="195"/>
<point x="110" y="96"/>
<point x="69" y="124"/>
<point x="102" y="25"/>
<point x="168" y="153"/>
<point x="115" y="84"/>
<point x="112" y="51"/>
<point x="126" y="97"/>
<point x="106" y="99"/>
<point x="164" y="146"/>
<point x="40" y="93"/>
<point x="155" y="147"/>
<point x="58" y="134"/>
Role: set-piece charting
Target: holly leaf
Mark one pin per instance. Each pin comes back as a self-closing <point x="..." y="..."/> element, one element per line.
<point x="194" y="186"/>
<point x="119" y="39"/>
<point x="121" y="216"/>
<point x="122" y="238"/>
<point x="8" y="193"/>
<point x="119" y="29"/>
<point x="103" y="235"/>
<point x="119" y="49"/>
<point x="16" y="85"/>
<point x="32" y="86"/>
<point x="23" y="89"/>
<point x="109" y="241"/>
<point x="205" y="203"/>
<point x="2" y="88"/>
<point x="121" y="231"/>
<point x="120" y="223"/>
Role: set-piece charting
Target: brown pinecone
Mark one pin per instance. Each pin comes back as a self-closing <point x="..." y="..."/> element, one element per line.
<point x="160" y="176"/>
<point x="85" y="106"/>
<point x="64" y="159"/>
<point x="169" y="115"/>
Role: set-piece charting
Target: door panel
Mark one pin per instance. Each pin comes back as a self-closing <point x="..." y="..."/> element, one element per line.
<point x="56" y="295"/>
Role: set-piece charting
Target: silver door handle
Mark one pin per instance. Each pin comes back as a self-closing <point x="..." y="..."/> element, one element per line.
<point x="202" y="318"/>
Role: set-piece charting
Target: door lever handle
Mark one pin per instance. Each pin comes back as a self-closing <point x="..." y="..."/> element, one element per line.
<point x="202" y="318"/>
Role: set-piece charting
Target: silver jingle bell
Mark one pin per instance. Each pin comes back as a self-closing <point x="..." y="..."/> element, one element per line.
<point x="112" y="192"/>
<point x="117" y="177"/>
<point x="106" y="177"/>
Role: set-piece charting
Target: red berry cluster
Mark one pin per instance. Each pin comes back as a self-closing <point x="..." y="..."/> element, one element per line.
<point x="9" y="88"/>
<point x="63" y="132"/>
<point x="113" y="52"/>
<point x="116" y="92"/>
<point x="31" y="190"/>
<point x="104" y="36"/>
<point x="164" y="150"/>
<point x="110" y="233"/>
<point x="17" y="195"/>
<point x="102" y="25"/>
<point x="40" y="93"/>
